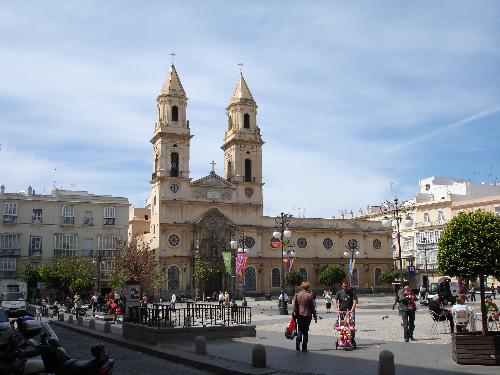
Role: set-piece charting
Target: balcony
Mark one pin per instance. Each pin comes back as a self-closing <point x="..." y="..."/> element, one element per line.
<point x="67" y="220"/>
<point x="9" y="219"/>
<point x="36" y="253"/>
<point x="435" y="223"/>
<point x="109" y="221"/>
<point x="10" y="252"/>
<point x="62" y="252"/>
<point x="10" y="274"/>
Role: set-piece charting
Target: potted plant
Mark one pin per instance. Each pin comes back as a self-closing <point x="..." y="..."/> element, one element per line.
<point x="469" y="248"/>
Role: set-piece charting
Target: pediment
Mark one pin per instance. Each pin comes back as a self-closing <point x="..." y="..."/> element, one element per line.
<point x="212" y="180"/>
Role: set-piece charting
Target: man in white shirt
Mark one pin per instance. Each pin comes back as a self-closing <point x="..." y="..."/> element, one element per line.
<point x="172" y="301"/>
<point x="461" y="315"/>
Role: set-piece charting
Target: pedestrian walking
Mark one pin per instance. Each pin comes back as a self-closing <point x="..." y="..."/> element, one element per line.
<point x="328" y="300"/>
<point x="493" y="290"/>
<point x="304" y="311"/>
<point x="172" y="301"/>
<point x="78" y="305"/>
<point x="346" y="301"/>
<point x="422" y="291"/>
<point x="94" y="301"/>
<point x="472" y="294"/>
<point x="221" y="298"/>
<point x="407" y="309"/>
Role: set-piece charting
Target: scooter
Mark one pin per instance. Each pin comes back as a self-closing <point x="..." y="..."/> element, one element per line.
<point x="58" y="362"/>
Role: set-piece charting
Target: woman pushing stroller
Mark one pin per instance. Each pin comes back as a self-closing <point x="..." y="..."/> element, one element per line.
<point x="346" y="301"/>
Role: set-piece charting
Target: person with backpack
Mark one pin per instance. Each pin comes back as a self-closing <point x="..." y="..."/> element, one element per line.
<point x="407" y="309"/>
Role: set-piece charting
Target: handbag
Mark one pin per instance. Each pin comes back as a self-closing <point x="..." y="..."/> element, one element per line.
<point x="291" y="329"/>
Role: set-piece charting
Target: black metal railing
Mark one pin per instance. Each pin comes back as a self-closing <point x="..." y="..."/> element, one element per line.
<point x="194" y="315"/>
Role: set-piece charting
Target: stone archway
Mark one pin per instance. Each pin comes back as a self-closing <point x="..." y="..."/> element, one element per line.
<point x="212" y="234"/>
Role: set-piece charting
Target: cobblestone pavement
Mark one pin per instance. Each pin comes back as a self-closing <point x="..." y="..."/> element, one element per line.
<point x="126" y="361"/>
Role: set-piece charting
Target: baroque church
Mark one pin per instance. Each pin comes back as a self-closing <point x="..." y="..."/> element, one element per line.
<point x="191" y="219"/>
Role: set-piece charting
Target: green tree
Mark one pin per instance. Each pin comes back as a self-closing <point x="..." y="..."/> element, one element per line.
<point x="469" y="248"/>
<point x="331" y="275"/>
<point x="293" y="278"/>
<point x="69" y="273"/>
<point x="30" y="276"/>
<point x="387" y="277"/>
<point x="203" y="272"/>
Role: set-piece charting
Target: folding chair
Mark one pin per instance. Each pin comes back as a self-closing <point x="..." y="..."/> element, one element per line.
<point x="461" y="319"/>
<point x="436" y="323"/>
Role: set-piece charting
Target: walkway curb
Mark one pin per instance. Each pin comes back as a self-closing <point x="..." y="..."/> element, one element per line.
<point x="206" y="362"/>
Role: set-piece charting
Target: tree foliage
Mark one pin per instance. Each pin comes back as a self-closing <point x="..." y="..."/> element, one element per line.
<point x="469" y="248"/>
<point x="387" y="277"/>
<point x="69" y="273"/>
<point x="30" y="275"/>
<point x="203" y="270"/>
<point x="331" y="275"/>
<point x="134" y="261"/>
<point x="293" y="278"/>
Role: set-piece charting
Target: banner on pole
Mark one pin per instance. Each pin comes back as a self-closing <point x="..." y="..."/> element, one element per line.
<point x="227" y="255"/>
<point x="291" y="264"/>
<point x="241" y="263"/>
<point x="350" y="267"/>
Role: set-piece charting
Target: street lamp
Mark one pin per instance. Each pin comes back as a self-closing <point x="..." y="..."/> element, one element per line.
<point x="352" y="249"/>
<point x="98" y="259"/>
<point x="283" y="233"/>
<point x="397" y="209"/>
<point x="239" y="252"/>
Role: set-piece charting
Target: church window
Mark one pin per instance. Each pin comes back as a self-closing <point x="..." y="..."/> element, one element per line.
<point x="156" y="163"/>
<point x="327" y="243"/>
<point x="377" y="244"/>
<point x="378" y="273"/>
<point x="229" y="123"/>
<point x="174" y="164"/>
<point x="229" y="170"/>
<point x="250" y="279"/>
<point x="175" y="113"/>
<point x="249" y="242"/>
<point x="246" y="121"/>
<point x="174" y="240"/>
<point x="302" y="243"/>
<point x="248" y="170"/>
<point x="303" y="273"/>
<point x="275" y="278"/>
<point x="173" y="278"/>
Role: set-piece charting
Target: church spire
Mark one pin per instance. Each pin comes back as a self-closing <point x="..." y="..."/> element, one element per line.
<point x="241" y="92"/>
<point x="172" y="85"/>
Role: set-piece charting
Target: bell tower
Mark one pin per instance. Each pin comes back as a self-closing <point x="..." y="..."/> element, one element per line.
<point x="172" y="134"/>
<point x="243" y="144"/>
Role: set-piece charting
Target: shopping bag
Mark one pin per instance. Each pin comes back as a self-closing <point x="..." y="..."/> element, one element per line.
<point x="291" y="330"/>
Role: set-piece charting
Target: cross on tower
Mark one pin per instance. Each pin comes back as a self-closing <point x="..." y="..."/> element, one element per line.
<point x="213" y="166"/>
<point x="241" y="67"/>
<point x="173" y="56"/>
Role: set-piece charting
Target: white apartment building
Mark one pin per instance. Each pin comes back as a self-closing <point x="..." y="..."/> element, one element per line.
<point x="437" y="200"/>
<point x="35" y="228"/>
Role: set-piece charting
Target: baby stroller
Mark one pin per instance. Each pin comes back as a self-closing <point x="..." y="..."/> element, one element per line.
<point x="345" y="328"/>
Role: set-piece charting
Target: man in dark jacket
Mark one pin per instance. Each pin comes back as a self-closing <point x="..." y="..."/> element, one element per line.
<point x="407" y="308"/>
<point x="440" y="313"/>
<point x="347" y="301"/>
<point x="304" y="311"/>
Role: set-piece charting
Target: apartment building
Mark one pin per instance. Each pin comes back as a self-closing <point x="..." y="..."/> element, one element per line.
<point x="34" y="228"/>
<point x="437" y="200"/>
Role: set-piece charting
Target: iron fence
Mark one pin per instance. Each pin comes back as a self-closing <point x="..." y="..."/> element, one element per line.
<point x="194" y="315"/>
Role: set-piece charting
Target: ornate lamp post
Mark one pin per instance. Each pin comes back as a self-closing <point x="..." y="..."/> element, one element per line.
<point x="283" y="233"/>
<point x="240" y="250"/>
<point x="98" y="260"/>
<point x="397" y="210"/>
<point x="352" y="249"/>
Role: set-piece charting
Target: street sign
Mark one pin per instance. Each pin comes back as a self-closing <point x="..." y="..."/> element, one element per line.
<point x="411" y="270"/>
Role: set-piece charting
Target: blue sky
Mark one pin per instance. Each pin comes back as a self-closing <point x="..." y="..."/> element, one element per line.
<point x="353" y="96"/>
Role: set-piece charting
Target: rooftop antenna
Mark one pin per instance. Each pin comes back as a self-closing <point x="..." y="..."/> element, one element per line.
<point x="173" y="57"/>
<point x="241" y="68"/>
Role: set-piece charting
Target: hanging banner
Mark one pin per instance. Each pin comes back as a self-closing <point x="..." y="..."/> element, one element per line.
<point x="241" y="263"/>
<point x="291" y="264"/>
<point x="227" y="256"/>
<point x="350" y="267"/>
<point x="276" y="243"/>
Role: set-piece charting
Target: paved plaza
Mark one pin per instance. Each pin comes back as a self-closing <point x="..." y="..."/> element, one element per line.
<point x="378" y="328"/>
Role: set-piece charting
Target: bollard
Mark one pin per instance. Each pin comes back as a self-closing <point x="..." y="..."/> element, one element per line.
<point x="386" y="363"/>
<point x="259" y="356"/>
<point x="70" y="318"/>
<point x="60" y="317"/>
<point x="80" y="321"/>
<point x="92" y="323"/>
<point x="201" y="345"/>
<point x="107" y="327"/>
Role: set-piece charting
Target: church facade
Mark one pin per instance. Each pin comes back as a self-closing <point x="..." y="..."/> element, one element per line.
<point x="192" y="219"/>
